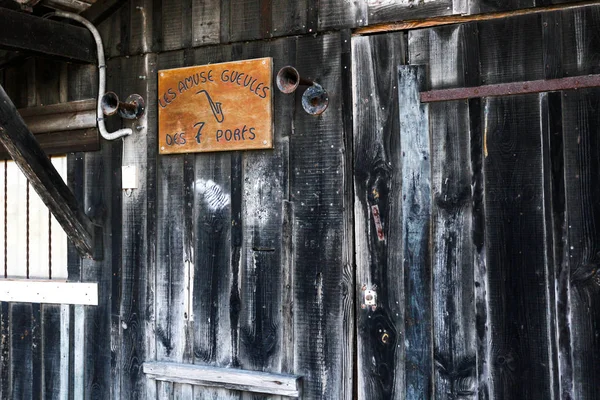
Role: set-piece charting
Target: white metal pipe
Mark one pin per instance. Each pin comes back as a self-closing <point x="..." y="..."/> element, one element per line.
<point x="101" y="74"/>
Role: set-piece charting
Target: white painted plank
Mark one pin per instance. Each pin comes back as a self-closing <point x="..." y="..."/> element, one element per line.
<point x="38" y="236"/>
<point x="59" y="237"/>
<point x="53" y="292"/>
<point x="16" y="221"/>
<point x="247" y="381"/>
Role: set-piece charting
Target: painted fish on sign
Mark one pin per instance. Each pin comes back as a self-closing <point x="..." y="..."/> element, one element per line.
<point x="216" y="107"/>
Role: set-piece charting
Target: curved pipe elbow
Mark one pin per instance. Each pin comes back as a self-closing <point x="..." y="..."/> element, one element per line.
<point x="101" y="75"/>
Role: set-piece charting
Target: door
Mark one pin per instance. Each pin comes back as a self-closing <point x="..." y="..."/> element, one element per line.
<point x="475" y="220"/>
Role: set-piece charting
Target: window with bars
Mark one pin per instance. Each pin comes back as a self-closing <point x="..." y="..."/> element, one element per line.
<point x="33" y="245"/>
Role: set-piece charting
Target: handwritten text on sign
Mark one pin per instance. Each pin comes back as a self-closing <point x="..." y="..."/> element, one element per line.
<point x="216" y="107"/>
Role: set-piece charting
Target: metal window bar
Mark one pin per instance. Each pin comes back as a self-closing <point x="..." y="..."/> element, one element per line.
<point x="34" y="243"/>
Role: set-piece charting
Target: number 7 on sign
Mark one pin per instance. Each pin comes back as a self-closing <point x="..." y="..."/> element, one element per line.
<point x="200" y="125"/>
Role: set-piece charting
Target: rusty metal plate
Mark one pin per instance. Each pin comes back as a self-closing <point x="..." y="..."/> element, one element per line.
<point x="216" y="107"/>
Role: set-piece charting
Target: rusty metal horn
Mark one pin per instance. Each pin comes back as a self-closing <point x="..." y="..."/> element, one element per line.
<point x="288" y="79"/>
<point x="314" y="99"/>
<point x="132" y="108"/>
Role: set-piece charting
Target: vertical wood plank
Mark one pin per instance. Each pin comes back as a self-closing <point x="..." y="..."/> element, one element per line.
<point x="177" y="24"/>
<point x="317" y="184"/>
<point x="78" y="348"/>
<point x="5" y="340"/>
<point x="215" y="303"/>
<point x="510" y="50"/>
<point x="141" y="25"/>
<point x="580" y="121"/>
<point x="137" y="298"/>
<point x="262" y="186"/>
<point x="579" y="281"/>
<point x="378" y="232"/>
<point x="416" y="225"/>
<point x="21" y="352"/>
<point x="289" y="17"/>
<point x="64" y="353"/>
<point x="98" y="190"/>
<point x="554" y="207"/>
<point x="110" y="31"/>
<point x="206" y="17"/>
<point x="173" y="255"/>
<point x="4" y="311"/>
<point x="245" y="20"/>
<point x="451" y="63"/>
<point x="80" y="86"/>
<point x="515" y="240"/>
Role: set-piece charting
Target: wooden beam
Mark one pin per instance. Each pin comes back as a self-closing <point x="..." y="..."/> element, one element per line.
<point x="229" y="378"/>
<point x="57" y="143"/>
<point x="47" y="182"/>
<point x="45" y="37"/>
<point x="461" y="19"/>
<point x="48" y="291"/>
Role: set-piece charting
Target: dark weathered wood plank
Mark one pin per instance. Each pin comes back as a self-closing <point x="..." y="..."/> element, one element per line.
<point x="5" y="358"/>
<point x="289" y="17"/>
<point x="25" y="150"/>
<point x="245" y="20"/>
<point x="554" y="206"/>
<point x="50" y="38"/>
<point x="446" y="52"/>
<point x="510" y="50"/>
<point x="175" y="16"/>
<point x="416" y="226"/>
<point x="259" y="187"/>
<point x="136" y="337"/>
<point x="172" y="273"/>
<point x="215" y="301"/>
<point x="581" y="144"/>
<point x="518" y="278"/>
<point x="110" y="31"/>
<point x="21" y="360"/>
<point x="79" y="87"/>
<point x="317" y="185"/>
<point x="51" y="337"/>
<point x="99" y="189"/>
<point x="578" y="282"/>
<point x="206" y="17"/>
<point x="515" y="253"/>
<point x="378" y="231"/>
<point x="142" y="23"/>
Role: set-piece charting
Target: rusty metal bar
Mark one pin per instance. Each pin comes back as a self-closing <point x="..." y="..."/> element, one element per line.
<point x="512" y="88"/>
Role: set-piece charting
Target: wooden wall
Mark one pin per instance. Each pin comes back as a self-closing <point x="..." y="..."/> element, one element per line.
<point x="473" y="222"/>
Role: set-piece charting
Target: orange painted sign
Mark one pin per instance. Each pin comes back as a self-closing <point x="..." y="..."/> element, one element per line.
<point x="216" y="107"/>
